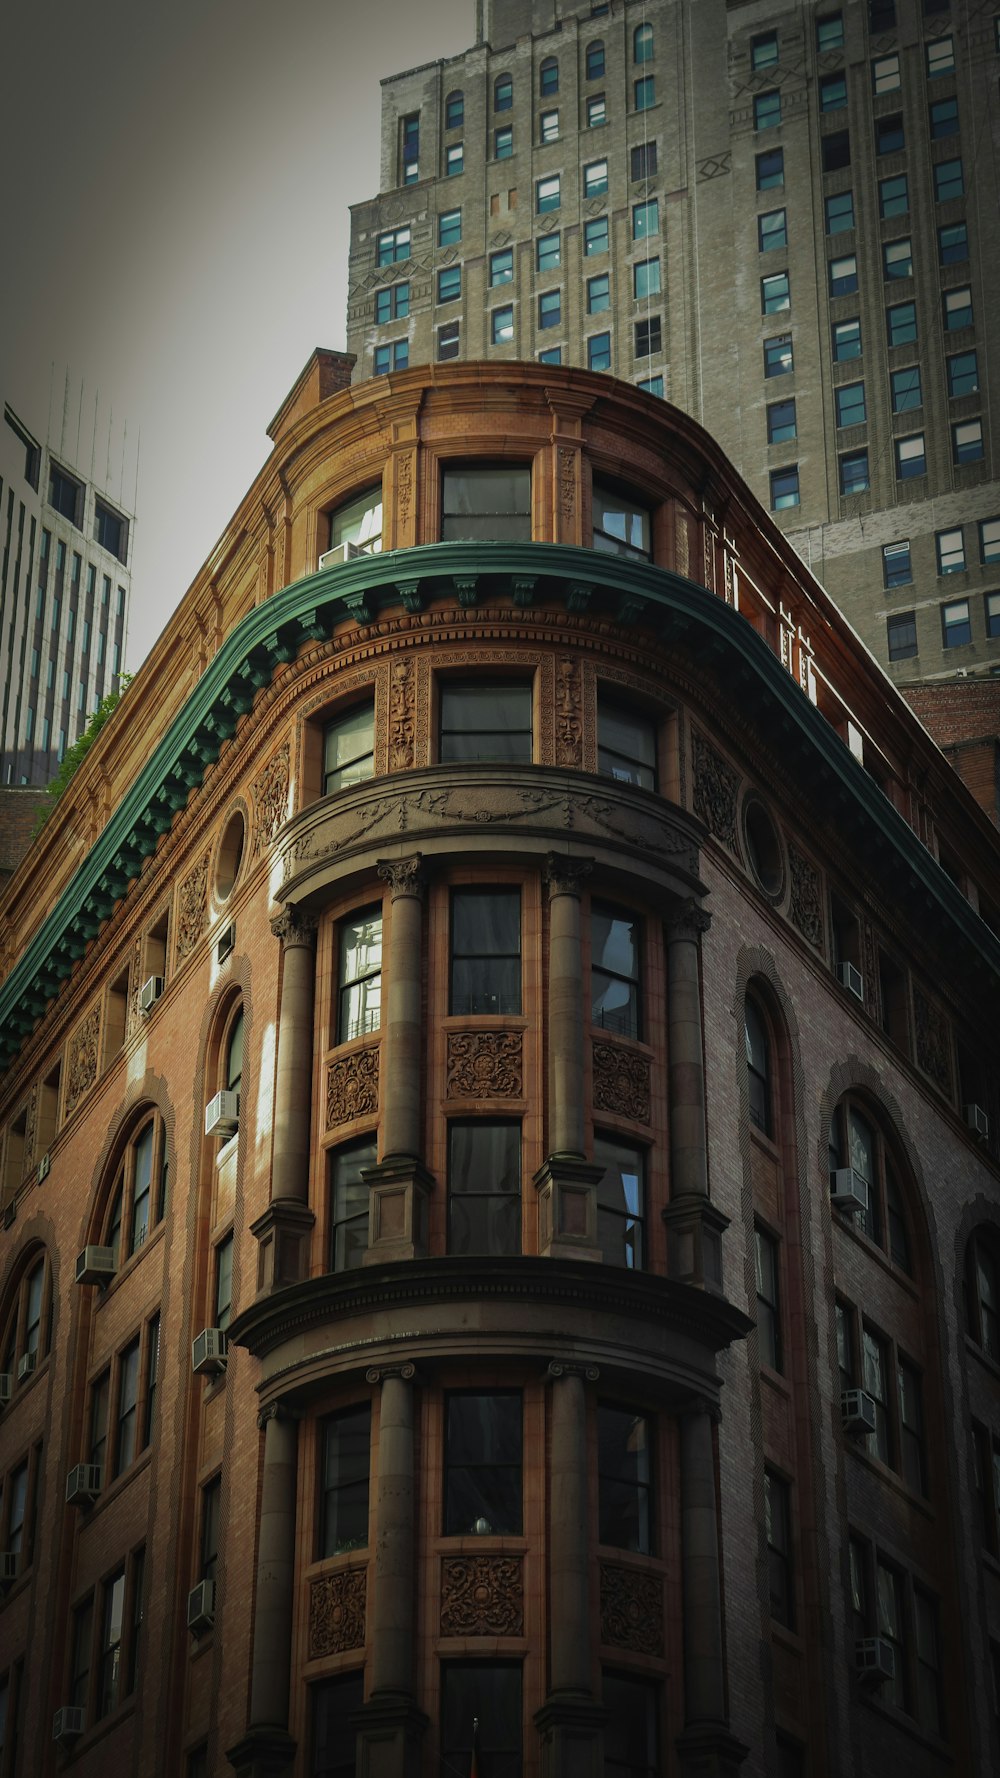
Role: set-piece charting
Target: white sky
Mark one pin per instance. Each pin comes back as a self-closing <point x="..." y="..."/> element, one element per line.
<point x="174" y="232"/>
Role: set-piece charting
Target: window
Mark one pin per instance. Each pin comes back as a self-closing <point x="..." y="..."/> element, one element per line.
<point x="486" y="923"/>
<point x="901" y="324"/>
<point x="552" y="355"/>
<point x="854" y="472"/>
<point x="502" y="266"/>
<point x="784" y="487"/>
<point x="624" y="1479"/>
<point x="621" y="527"/>
<point x="110" y="531"/>
<point x="482" y="1467"/>
<point x="889" y="137"/>
<point x="448" y="340"/>
<point x="126" y="1416"/>
<point x="772" y="230"/>
<point x="777" y="1520"/>
<point x="645" y="279"/>
<point x="944" y="118"/>
<point x="346" y="1451"/>
<point x="83" y="1631"/>
<point x="547" y="195"/>
<point x="620" y="1202"/>
<point x="596" y="112"/>
<point x="387" y="358"/>
<point x="843" y="275"/>
<point x="548" y="129"/>
<point x="764" y="51"/>
<point x="758" y="1054"/>
<point x="487" y="1694"/>
<point x="334" y="1732"/>
<point x="454" y="111"/>
<point x="982" y="1292"/>
<point x="152" y="1379"/>
<point x="780" y="421"/>
<point x="360" y="975"/>
<point x="645" y="93"/>
<point x="906" y="389"/>
<point x="953" y="244"/>
<point x="913" y="1461"/>
<point x="967" y="441"/>
<point x="901" y="636"/>
<point x="642" y="162"/>
<point x="631" y="1740"/>
<point x="768" y="1310"/>
<point x="28" y="1325"/>
<point x="223" y="1283"/>
<point x="16" y="1496"/>
<point x="645" y="220"/>
<point x="778" y="358"/>
<point x="598" y="293"/>
<point x="850" y="400"/>
<point x="393" y="245"/>
<point x="547" y="251"/>
<point x="549" y="309"/>
<point x="839" y="212"/>
<point x="832" y="92"/>
<point x="449" y="230"/>
<point x="767" y="110"/>
<point x="488" y="503"/>
<point x="132" y="1210"/>
<point x="775" y="293"/>
<point x="626" y="745"/>
<point x="548" y="77"/>
<point x="956" y="627"/>
<point x="349" y="749"/>
<point x="940" y="57"/>
<point x="97" y="1427"/>
<point x="950" y="551"/>
<point x="896" y="567"/>
<point x="595" y="179"/>
<point x="770" y="169"/>
<point x="835" y="150"/>
<point x="893" y="196"/>
<point x="614" y="976"/>
<point x="648" y="337"/>
<point x="993" y="614"/>
<point x="392" y="302"/>
<point x="949" y="180"/>
<point x="897" y="259"/>
<point x="599" y="351"/>
<point x="211" y="1514"/>
<point x="454" y="160"/>
<point x="349" y="1203"/>
<point x="66" y="495"/>
<point x="989" y="540"/>
<point x="503" y="143"/>
<point x="856" y="1142"/>
<point x="957" y="308"/>
<point x="642" y="43"/>
<point x="885" y="73"/>
<point x="112" y="1617"/>
<point x="503" y="90"/>
<point x="595" y="61"/>
<point x="410" y="138"/>
<point x="449" y="283"/>
<point x="502" y="325"/>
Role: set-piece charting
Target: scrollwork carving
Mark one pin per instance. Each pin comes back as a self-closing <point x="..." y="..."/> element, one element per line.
<point x="805" y="904"/>
<point x="567" y="481"/>
<point x="404" y="875"/>
<point x="485" y="1065"/>
<point x="482" y="1596"/>
<point x="621" y="1082"/>
<point x="294" y="926"/>
<point x="192" y="908"/>
<point x="715" y="791"/>
<point x="352" y="1087"/>
<point x="569" y="712"/>
<point x="270" y="799"/>
<point x="933" y="1047"/>
<point x="566" y="876"/>
<point x="81" y="1059"/>
<point x="402" y="720"/>
<point x="30" y="1128"/>
<point x="688" y="920"/>
<point x="631" y="1609"/>
<point x="337" y="1612"/>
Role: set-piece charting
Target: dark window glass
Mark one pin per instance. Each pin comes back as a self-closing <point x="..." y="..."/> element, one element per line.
<point x="211" y="1513"/>
<point x="944" y="117"/>
<point x="83" y="1631"/>
<point x="896" y="568"/>
<point x="142" y="1162"/>
<point x="64" y="493"/>
<point x="112" y="1619"/>
<point x="454" y="111"/>
<point x="626" y="745"/>
<point x="100" y="1391"/>
<point x="850" y="400"/>
<point x="595" y="61"/>
<point x="648" y="337"/>
<point x="854" y="477"/>
<point x="110" y="531"/>
<point x="485" y="951"/>
<point x="488" y="1695"/>
<point x="777" y="1517"/>
<point x="953" y="244"/>
<point x="334" y="1736"/>
<point x="784" y="487"/>
<point x="893" y="196"/>
<point x="620" y="1202"/>
<point x="836" y="151"/>
<point x="913" y="1462"/>
<point x="767" y="110"/>
<point x="770" y="169"/>
<point x="359" y="1004"/>
<point x="346" y="1457"/>
<point x="902" y="636"/>
<point x="768" y="1304"/>
<point x="906" y="389"/>
<point x="548" y="76"/>
<point x="484" y="1187"/>
<point x="487" y="504"/>
<point x="128" y="1396"/>
<point x="223" y="1283"/>
<point x="643" y="160"/>
<point x="889" y="137"/>
<point x="758" y="1053"/>
<point x="152" y="1380"/>
<point x="832" y="92"/>
<point x="624" y="1478"/>
<point x="349" y="1203"/>
<point x="839" y="212"/>
<point x="482" y="1463"/>
<point x="349" y="749"/>
<point x="631" y="1741"/>
<point x="778" y="358"/>
<point x="614" y="980"/>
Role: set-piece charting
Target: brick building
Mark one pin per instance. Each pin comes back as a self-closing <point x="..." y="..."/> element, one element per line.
<point x="500" y="1143"/>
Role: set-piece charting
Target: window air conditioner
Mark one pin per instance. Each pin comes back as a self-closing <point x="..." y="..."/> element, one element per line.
<point x="26" y="1366"/>
<point x="43" y="1169"/>
<point x="150" y="993"/>
<point x="6" y="1388"/>
<point x="95" y="1265"/>
<point x="977" y="1121"/>
<point x="222" y="1114"/>
<point x="848" y="1191"/>
<point x="857" y="1412"/>
<point x="851" y="979"/>
<point x="83" y="1484"/>
<point x="344" y="552"/>
<point x="8" y="1568"/>
<point x="209" y="1352"/>
<point x="201" y="1607"/>
<point x="68" y="1723"/>
<point x="225" y="943"/>
<point x="875" y="1660"/>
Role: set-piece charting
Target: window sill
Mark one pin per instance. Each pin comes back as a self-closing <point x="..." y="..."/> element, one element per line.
<point x="919" y="1502"/>
<point x="106" y="1726"/>
<point x="908" y="1725"/>
<point x="878" y="1254"/>
<point x="116" y="1487"/>
<point x="129" y="1265"/>
<point x="976" y="1351"/>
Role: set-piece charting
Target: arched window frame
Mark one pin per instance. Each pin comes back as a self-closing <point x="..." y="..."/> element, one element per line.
<point x="886" y="1220"/>
<point x="27" y="1320"/>
<point x="760" y="1066"/>
<point x="642" y="43"/>
<point x="594" y="59"/>
<point x="548" y="77"/>
<point x="454" y="110"/>
<point x="982" y="1291"/>
<point x="138" y="1199"/>
<point x="232" y="1050"/>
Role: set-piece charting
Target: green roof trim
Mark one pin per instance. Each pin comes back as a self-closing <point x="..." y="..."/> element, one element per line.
<point x="618" y="589"/>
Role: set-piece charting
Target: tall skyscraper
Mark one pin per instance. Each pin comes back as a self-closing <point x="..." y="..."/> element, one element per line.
<point x="64" y="592"/>
<point x="782" y="217"/>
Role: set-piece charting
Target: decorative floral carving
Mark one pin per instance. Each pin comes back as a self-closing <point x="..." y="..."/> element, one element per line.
<point x="566" y="876"/>
<point x="482" y="1596"/>
<point x="621" y="1082"/>
<point x="569" y="717"/>
<point x="192" y="908"/>
<point x="81" y="1058"/>
<point x="294" y="926"/>
<point x="30" y="1128"/>
<point x="567" y="481"/>
<point x="352" y="1087"/>
<point x="270" y="799"/>
<point x="870" y="969"/>
<point x="682" y="541"/>
<point x="405" y="876"/>
<point x="401" y="716"/>
<point x="932" y="1040"/>
<point x="631" y="1609"/>
<point x="404" y="484"/>
<point x="337" y="1612"/>
<point x="485" y="1065"/>
<point x="805" y="905"/>
<point x="135" y="987"/>
<point x="715" y="788"/>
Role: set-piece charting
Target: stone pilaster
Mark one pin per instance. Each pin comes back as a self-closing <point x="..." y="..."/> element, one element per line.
<point x="267" y="1750"/>
<point x="706" y="1747"/>
<point x="283" y="1230"/>
<point x="566" y="1183"/>
<point x="694" y="1225"/>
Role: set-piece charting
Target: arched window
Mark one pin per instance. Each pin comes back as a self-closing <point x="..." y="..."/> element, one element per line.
<point x="595" y="60"/>
<point x="758" y="1050"/>
<point x="642" y="43"/>
<point x="138" y="1198"/>
<point x="454" y="111"/>
<point x="234" y="1054"/>
<point x="548" y="77"/>
<point x="864" y="1182"/>
<point x="982" y="1291"/>
<point x="503" y="93"/>
<point x="27" y="1325"/>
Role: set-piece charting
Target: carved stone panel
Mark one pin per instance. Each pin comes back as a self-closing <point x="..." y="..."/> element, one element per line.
<point x="715" y="790"/>
<point x="482" y="1596"/>
<point x="270" y="799"/>
<point x="631" y="1609"/>
<point x="30" y="1129"/>
<point x="402" y="716"/>
<point x="569" y="713"/>
<point x="81" y="1058"/>
<point x="933" y="1047"/>
<point x="337" y="1612"/>
<point x="805" y="905"/>
<point x="621" y="1082"/>
<point x="192" y="908"/>
<point x="352" y="1087"/>
<point x="485" y="1065"/>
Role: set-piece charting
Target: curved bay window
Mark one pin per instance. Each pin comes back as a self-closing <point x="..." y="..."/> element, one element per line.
<point x="758" y="1051"/>
<point x="349" y="748"/>
<point x="614" y="970"/>
<point x="138" y="1199"/>
<point x="865" y="1181"/>
<point x="624" y="1479"/>
<point x="982" y="1292"/>
<point x="486" y="719"/>
<point x="620" y="1202"/>
<point x="486" y="503"/>
<point x="356" y="528"/>
<point x="621" y="524"/>
<point x="484" y="1187"/>
<point x="485" y="951"/>
<point x="359" y="1000"/>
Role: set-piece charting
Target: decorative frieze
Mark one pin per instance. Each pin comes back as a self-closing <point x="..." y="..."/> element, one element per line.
<point x="192" y="908"/>
<point x="933" y="1046"/>
<point x="569" y="712"/>
<point x="352" y="1087"/>
<point x="631" y="1609"/>
<point x="482" y="1596"/>
<point x="402" y="715"/>
<point x="270" y="799"/>
<point x="805" y="904"/>
<point x="716" y="785"/>
<point x="485" y="1065"/>
<point x="81" y="1059"/>
<point x="621" y="1082"/>
<point x="568" y="460"/>
<point x="30" y="1129"/>
<point x="337" y="1612"/>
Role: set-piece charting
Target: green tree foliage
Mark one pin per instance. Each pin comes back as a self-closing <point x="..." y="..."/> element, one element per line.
<point x="75" y="755"/>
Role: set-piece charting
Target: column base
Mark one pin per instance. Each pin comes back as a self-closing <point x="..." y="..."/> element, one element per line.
<point x="567" y="1207"/>
<point x="695" y="1227"/>
<point x="708" y="1750"/>
<point x="398" y="1189"/>
<point x="571" y="1727"/>
<point x="390" y="1736"/>
<point x="263" y="1753"/>
<point x="283" y="1233"/>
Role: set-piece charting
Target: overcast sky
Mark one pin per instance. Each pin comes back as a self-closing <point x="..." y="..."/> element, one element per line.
<point x="174" y="233"/>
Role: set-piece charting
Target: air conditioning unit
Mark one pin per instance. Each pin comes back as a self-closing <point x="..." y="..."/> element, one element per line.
<point x="225" y="943"/>
<point x="857" y="1412"/>
<point x="150" y="993"/>
<point x="43" y="1168"/>
<point x="68" y="1723"/>
<point x="201" y="1607"/>
<point x="344" y="552"/>
<point x="8" y="1567"/>
<point x="95" y="1265"/>
<point x="851" y="979"/>
<point x="209" y="1352"/>
<point x="977" y="1121"/>
<point x="6" y="1388"/>
<point x="83" y="1484"/>
<point x="26" y="1366"/>
<point x="874" y="1660"/>
<point x="222" y="1114"/>
<point x="848" y="1191"/>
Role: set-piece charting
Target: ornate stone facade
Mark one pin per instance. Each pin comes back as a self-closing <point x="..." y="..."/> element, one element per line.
<point x="485" y="1065"/>
<point x="352" y="1087"/>
<point x="631" y="1609"/>
<point x="402" y="715"/>
<point x="192" y="908"/>
<point x="270" y="799"/>
<point x="569" y="713"/>
<point x="805" y="904"/>
<point x="933" y="1040"/>
<point x="716" y="785"/>
<point x="621" y="1081"/>
<point x="337" y="1612"/>
<point x="82" y="1058"/>
<point x="482" y="1596"/>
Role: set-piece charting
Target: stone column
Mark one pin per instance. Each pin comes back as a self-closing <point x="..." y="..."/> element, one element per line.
<point x="400" y="1183"/>
<point x="284" y="1228"/>
<point x="694" y="1225"/>
<point x="566" y="1183"/>
<point x="570" y="1720"/>
<point x="392" y="1726"/>
<point x="706" y="1746"/>
<point x="267" y="1749"/>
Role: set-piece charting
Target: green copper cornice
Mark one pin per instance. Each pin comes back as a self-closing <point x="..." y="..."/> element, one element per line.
<point x="606" y="588"/>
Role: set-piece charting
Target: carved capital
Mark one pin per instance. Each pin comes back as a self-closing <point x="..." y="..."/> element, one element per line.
<point x="698" y="1405"/>
<point x="380" y="1373"/>
<point x="404" y="876"/>
<point x="293" y="926"/>
<point x="566" y="876"/>
<point x="688" y="920"/>
<point x="556" y="1369"/>
<point x="276" y="1410"/>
